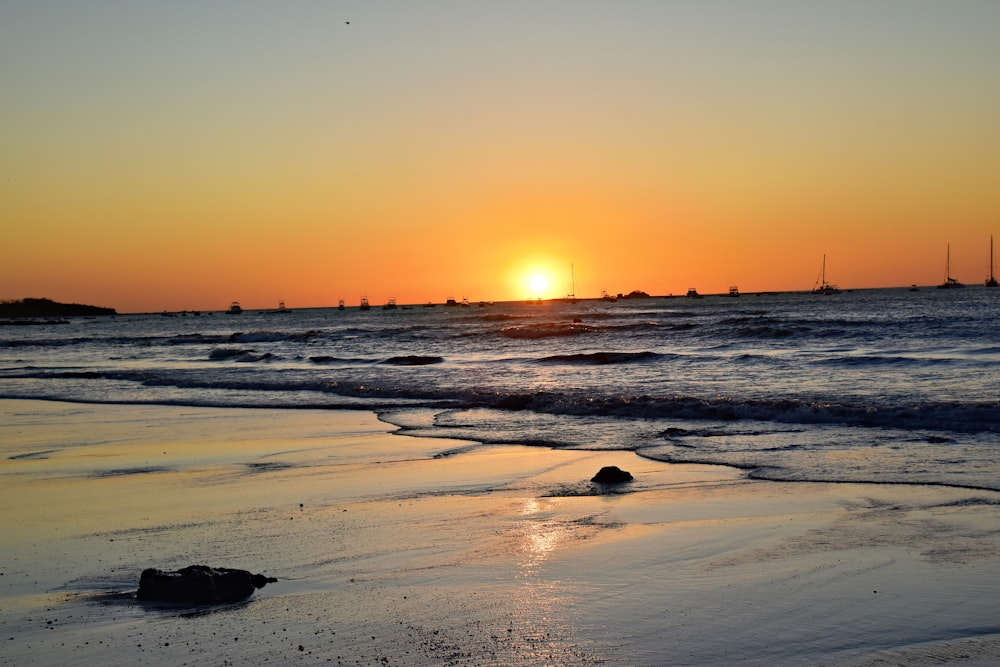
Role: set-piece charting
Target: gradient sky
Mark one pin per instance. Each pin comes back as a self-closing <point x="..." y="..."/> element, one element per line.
<point x="179" y="155"/>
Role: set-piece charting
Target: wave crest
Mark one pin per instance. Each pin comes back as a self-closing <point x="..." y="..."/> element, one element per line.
<point x="413" y="360"/>
<point x="546" y="330"/>
<point x="600" y="358"/>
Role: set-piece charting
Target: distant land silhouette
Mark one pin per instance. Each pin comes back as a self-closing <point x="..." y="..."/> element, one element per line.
<point x="49" y="308"/>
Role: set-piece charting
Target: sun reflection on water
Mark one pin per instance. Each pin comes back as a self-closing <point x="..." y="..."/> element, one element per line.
<point x="541" y="601"/>
<point x="540" y="534"/>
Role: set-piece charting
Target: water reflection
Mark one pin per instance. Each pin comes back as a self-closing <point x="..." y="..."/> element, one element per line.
<point x="540" y="534"/>
<point x="540" y="623"/>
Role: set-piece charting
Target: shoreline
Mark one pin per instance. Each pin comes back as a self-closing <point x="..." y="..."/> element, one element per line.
<point x="493" y="554"/>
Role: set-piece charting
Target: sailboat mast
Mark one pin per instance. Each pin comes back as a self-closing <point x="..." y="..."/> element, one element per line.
<point x="991" y="281"/>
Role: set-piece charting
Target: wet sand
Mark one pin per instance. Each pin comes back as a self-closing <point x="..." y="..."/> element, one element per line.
<point x="395" y="550"/>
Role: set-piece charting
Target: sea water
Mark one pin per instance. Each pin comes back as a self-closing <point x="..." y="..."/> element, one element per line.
<point x="885" y="386"/>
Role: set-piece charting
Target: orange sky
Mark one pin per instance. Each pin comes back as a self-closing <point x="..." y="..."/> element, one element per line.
<point x="183" y="156"/>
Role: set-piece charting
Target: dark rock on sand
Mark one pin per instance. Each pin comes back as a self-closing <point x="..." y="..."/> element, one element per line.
<point x="611" y="475"/>
<point x="199" y="584"/>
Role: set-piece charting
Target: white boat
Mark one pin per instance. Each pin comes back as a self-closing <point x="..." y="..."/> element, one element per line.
<point x="823" y="287"/>
<point x="949" y="282"/>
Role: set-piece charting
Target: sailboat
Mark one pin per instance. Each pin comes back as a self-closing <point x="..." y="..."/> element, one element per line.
<point x="571" y="297"/>
<point x="949" y="282"/>
<point x="991" y="281"/>
<point x="823" y="287"/>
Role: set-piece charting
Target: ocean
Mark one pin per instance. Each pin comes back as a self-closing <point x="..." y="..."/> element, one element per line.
<point x="884" y="385"/>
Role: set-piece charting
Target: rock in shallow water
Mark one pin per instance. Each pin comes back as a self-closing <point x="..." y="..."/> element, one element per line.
<point x="611" y="475"/>
<point x="199" y="584"/>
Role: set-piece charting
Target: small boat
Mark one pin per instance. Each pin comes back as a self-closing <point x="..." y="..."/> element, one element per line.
<point x="364" y="304"/>
<point x="390" y="304"/>
<point x="991" y="281"/>
<point x="282" y="310"/>
<point x="823" y="287"/>
<point x="340" y="305"/>
<point x="234" y="308"/>
<point x="692" y="293"/>
<point x="451" y="301"/>
<point x="949" y="282"/>
<point x="734" y="290"/>
<point x="465" y="302"/>
<point x="607" y="297"/>
<point x="430" y="304"/>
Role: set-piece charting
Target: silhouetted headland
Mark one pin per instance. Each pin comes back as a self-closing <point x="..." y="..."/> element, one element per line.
<point x="48" y="308"/>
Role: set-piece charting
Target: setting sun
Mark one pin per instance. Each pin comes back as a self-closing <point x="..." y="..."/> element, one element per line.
<point x="538" y="283"/>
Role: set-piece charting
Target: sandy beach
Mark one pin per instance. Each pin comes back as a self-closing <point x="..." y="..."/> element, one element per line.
<point x="397" y="550"/>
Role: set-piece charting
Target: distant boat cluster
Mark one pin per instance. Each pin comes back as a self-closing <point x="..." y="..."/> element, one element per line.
<point x="951" y="283"/>
<point x="821" y="287"/>
<point x="236" y="309"/>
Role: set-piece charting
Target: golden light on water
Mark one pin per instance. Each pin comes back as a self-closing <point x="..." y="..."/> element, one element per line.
<point x="541" y="535"/>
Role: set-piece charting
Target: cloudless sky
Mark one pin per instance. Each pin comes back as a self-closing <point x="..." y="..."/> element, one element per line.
<point x="180" y="155"/>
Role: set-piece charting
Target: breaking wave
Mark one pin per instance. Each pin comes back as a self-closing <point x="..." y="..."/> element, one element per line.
<point x="255" y="391"/>
<point x="601" y="358"/>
